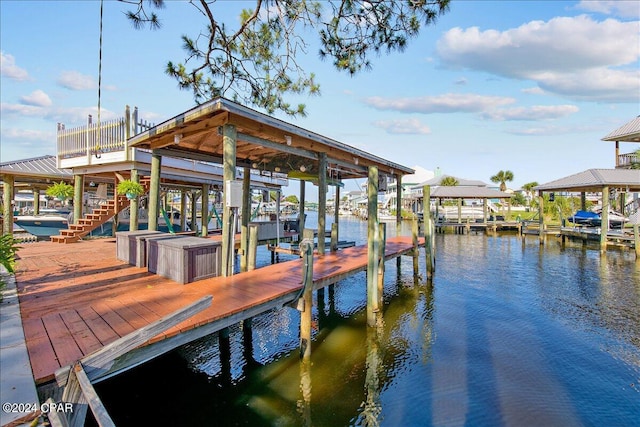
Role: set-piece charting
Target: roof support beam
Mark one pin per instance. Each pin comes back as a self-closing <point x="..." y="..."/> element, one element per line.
<point x="276" y="146"/>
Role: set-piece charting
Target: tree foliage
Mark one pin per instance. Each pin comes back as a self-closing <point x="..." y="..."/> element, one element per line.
<point x="257" y="63"/>
<point x="502" y="177"/>
<point x="635" y="162"/>
<point x="292" y="199"/>
<point x="449" y="181"/>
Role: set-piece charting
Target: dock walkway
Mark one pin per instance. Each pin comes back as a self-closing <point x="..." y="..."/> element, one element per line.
<point x="77" y="299"/>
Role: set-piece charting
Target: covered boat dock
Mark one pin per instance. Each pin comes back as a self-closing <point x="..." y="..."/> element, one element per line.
<point x="603" y="181"/>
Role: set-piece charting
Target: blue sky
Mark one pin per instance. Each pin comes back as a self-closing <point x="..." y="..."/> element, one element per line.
<point x="529" y="86"/>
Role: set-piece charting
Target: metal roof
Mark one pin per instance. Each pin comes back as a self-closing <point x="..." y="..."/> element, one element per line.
<point x="629" y="132"/>
<point x="595" y="179"/>
<point x="263" y="142"/>
<point x="436" y="180"/>
<point x="458" y="192"/>
<point x="37" y="167"/>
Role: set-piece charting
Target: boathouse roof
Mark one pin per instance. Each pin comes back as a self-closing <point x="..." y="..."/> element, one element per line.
<point x="36" y="169"/>
<point x="263" y="142"/>
<point x="458" y="192"/>
<point x="595" y="179"/>
<point x="436" y="180"/>
<point x="629" y="132"/>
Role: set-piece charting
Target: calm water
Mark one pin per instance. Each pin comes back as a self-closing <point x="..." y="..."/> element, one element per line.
<point x="506" y="334"/>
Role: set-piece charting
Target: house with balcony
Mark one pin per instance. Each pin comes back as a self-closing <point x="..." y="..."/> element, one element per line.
<point x="629" y="132"/>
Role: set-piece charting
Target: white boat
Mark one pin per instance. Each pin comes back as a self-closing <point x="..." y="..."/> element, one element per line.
<point x="48" y="223"/>
<point x="51" y="221"/>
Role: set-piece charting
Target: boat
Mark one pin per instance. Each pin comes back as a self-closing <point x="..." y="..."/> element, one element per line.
<point x="50" y="221"/>
<point x="594" y="219"/>
<point x="46" y="224"/>
<point x="583" y="217"/>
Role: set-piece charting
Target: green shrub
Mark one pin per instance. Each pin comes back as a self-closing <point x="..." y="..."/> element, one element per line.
<point x="130" y="187"/>
<point x="8" y="249"/>
<point x="61" y="190"/>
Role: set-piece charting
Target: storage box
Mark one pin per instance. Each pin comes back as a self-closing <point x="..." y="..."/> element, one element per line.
<point x="184" y="259"/>
<point x="268" y="230"/>
<point x="131" y="246"/>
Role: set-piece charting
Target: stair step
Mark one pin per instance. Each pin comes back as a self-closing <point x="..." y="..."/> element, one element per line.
<point x="99" y="216"/>
<point x="64" y="239"/>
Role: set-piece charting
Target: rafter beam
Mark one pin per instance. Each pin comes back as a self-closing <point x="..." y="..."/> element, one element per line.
<point x="277" y="146"/>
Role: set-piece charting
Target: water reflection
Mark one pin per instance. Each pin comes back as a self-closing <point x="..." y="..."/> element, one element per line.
<point x="508" y="333"/>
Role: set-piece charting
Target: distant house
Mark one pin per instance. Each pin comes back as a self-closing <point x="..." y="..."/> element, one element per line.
<point x="629" y="132"/>
<point x="408" y="183"/>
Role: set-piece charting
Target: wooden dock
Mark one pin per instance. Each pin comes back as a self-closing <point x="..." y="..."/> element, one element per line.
<point x="78" y="299"/>
<point x="466" y="227"/>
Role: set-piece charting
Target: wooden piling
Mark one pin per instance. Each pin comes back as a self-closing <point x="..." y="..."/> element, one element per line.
<point x="229" y="141"/>
<point x="301" y="215"/>
<point x="429" y="243"/>
<point x="7" y="194"/>
<point x="322" y="200"/>
<point x="78" y="190"/>
<point x="205" y="210"/>
<point x="636" y="240"/>
<point x="134" y="204"/>
<point x="372" y="245"/>
<point x="154" y="192"/>
<point x="382" y="238"/>
<point x="246" y="213"/>
<point x="604" y="226"/>
<point x="305" y="304"/>
<point x="334" y="237"/>
<point x="252" y="248"/>
<point x="541" y="217"/>
<point x="414" y="237"/>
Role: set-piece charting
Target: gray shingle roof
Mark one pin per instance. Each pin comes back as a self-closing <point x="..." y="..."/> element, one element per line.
<point x="595" y="179"/>
<point x="629" y="132"/>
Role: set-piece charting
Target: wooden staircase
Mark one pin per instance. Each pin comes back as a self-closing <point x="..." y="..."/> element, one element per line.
<point x="99" y="216"/>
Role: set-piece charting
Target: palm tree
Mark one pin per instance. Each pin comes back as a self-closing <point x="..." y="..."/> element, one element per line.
<point x="502" y="177"/>
<point x="528" y="187"/>
<point x="449" y="181"/>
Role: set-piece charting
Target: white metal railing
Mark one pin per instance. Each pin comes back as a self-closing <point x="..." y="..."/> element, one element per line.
<point x="92" y="139"/>
<point x="95" y="139"/>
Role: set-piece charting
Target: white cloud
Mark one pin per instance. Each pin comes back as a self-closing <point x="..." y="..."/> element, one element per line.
<point x="533" y="91"/>
<point x="76" y="116"/>
<point x="601" y="85"/>
<point x="26" y="143"/>
<point x="8" y="68"/>
<point x="20" y="109"/>
<point x="75" y="81"/>
<point x="405" y="127"/>
<point x="535" y="113"/>
<point x="560" y="55"/>
<point x="28" y="134"/>
<point x="447" y="103"/>
<point x="36" y="98"/>
<point x="625" y="9"/>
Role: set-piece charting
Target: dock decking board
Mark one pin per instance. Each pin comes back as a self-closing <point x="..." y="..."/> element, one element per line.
<point x="78" y="298"/>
